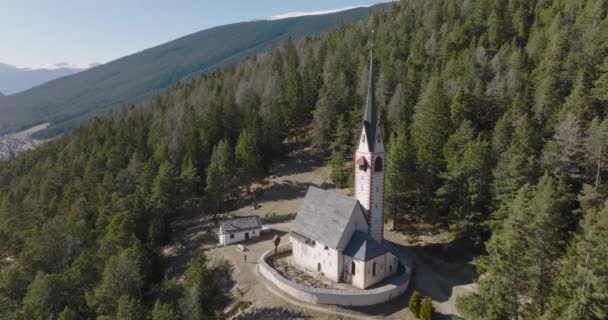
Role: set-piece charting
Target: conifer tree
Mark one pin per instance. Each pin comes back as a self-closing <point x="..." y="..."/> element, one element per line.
<point x="582" y="281"/>
<point x="129" y="309"/>
<point x="220" y="177"/>
<point x="431" y="128"/>
<point x="189" y="181"/>
<point x="340" y="152"/>
<point x="203" y="295"/>
<point x="163" y="186"/>
<point x="401" y="195"/>
<point x="516" y="167"/>
<point x="164" y="311"/>
<point x="565" y="154"/>
<point x="249" y="157"/>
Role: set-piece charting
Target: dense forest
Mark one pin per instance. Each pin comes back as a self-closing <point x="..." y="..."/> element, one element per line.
<point x="494" y="112"/>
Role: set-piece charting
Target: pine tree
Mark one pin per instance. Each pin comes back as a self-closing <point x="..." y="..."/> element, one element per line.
<point x="596" y="146"/>
<point x="401" y="194"/>
<point x="431" y="128"/>
<point x="203" y="295"/>
<point x="340" y="151"/>
<point x="516" y="167"/>
<point x="465" y="193"/>
<point x="163" y="186"/>
<point x="189" y="181"/>
<point x="249" y="157"/>
<point x="220" y="177"/>
<point x="129" y="309"/>
<point x="164" y="311"/>
<point x="565" y="154"/>
<point x="582" y="281"/>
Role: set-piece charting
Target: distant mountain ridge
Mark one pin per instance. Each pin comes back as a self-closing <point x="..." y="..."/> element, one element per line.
<point x="14" y="79"/>
<point x="68" y="101"/>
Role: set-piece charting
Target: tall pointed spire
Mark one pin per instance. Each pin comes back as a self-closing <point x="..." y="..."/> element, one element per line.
<point x="370" y="118"/>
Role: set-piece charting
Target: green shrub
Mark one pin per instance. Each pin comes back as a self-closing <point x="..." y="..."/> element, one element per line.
<point x="414" y="304"/>
<point x="426" y="309"/>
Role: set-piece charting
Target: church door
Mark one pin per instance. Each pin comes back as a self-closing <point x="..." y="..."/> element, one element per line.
<point x="246" y="235"/>
<point x="352" y="268"/>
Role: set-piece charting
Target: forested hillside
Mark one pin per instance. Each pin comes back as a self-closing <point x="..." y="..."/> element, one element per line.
<point x="69" y="101"/>
<point x="495" y="117"/>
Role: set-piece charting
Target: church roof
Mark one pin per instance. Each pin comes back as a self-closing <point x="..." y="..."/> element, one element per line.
<point x="324" y="216"/>
<point x="370" y="117"/>
<point x="240" y="224"/>
<point x="363" y="247"/>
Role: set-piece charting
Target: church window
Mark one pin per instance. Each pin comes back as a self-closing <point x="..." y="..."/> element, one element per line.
<point x="319" y="267"/>
<point x="326" y="248"/>
<point x="378" y="165"/>
<point x="374" y="269"/>
<point x="379" y="139"/>
<point x="352" y="268"/>
<point x="390" y="268"/>
<point x="363" y="138"/>
<point x="232" y="236"/>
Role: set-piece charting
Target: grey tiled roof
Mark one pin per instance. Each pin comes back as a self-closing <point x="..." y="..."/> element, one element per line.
<point x="240" y="224"/>
<point x="324" y="216"/>
<point x="362" y="247"/>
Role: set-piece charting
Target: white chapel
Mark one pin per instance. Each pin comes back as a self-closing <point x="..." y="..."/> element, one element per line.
<point x="340" y="237"/>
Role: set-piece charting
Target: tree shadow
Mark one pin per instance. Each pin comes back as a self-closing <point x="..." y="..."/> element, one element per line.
<point x="221" y="273"/>
<point x="393" y="306"/>
<point x="272" y="313"/>
<point x="300" y="161"/>
<point x="288" y="190"/>
<point x="272" y="218"/>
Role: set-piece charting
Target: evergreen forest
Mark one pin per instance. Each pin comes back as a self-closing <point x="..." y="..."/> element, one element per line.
<point x="495" y="114"/>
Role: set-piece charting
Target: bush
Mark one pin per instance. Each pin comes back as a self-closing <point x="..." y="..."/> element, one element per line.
<point x="414" y="304"/>
<point x="426" y="309"/>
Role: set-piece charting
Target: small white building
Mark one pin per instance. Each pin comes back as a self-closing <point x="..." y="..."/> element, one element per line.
<point x="239" y="229"/>
<point x="340" y="237"/>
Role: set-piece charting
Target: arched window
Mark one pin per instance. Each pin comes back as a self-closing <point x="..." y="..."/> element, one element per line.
<point x="352" y="268"/>
<point x="362" y="163"/>
<point x="319" y="267"/>
<point x="378" y="164"/>
<point x="363" y="138"/>
<point x="374" y="269"/>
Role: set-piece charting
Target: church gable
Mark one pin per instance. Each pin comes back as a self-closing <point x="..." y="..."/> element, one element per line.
<point x="356" y="223"/>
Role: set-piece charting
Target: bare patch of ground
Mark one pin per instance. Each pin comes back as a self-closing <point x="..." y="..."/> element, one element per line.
<point x="279" y="200"/>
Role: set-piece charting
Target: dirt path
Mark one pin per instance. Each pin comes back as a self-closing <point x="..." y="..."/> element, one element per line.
<point x="283" y="194"/>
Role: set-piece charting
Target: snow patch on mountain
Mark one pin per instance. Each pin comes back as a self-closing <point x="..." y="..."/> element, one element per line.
<point x="313" y="13"/>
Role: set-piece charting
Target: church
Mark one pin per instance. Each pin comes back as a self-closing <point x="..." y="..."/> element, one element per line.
<point x="342" y="238"/>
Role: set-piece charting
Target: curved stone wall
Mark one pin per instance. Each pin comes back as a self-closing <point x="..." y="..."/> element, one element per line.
<point x="397" y="286"/>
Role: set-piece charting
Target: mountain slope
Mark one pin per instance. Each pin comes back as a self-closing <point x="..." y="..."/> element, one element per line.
<point x="14" y="79"/>
<point x="66" y="102"/>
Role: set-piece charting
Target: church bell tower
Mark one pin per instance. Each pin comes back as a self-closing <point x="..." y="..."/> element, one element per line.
<point x="370" y="164"/>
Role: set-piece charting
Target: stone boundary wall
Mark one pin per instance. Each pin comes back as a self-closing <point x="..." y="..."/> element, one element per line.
<point x="397" y="286"/>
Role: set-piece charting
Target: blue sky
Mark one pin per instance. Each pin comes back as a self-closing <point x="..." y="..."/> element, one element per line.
<point x="46" y="32"/>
